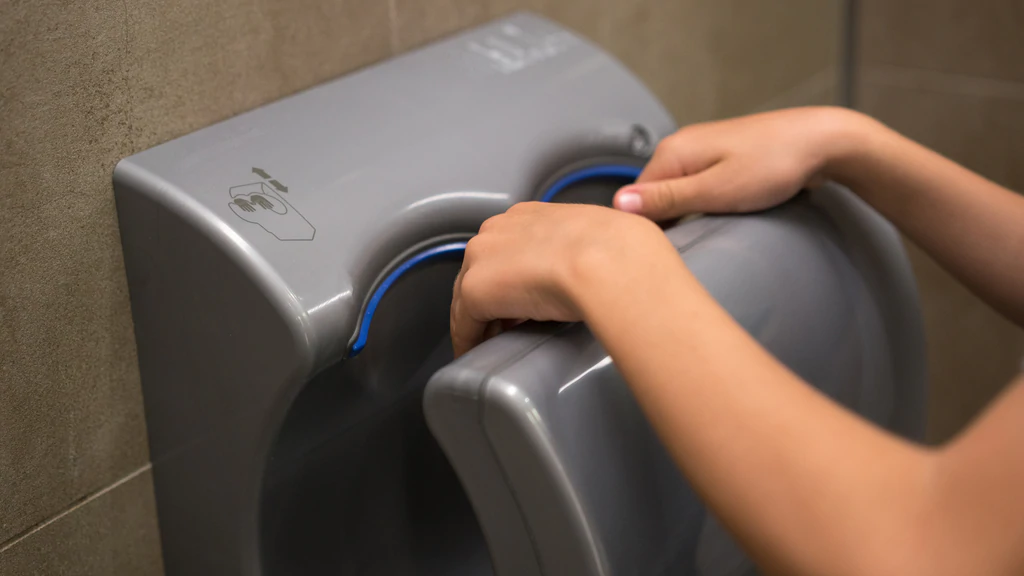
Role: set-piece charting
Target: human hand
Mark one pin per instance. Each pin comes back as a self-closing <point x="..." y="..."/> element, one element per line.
<point x="739" y="165"/>
<point x="537" y="260"/>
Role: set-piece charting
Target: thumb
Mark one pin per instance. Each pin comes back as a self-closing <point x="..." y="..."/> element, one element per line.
<point x="664" y="199"/>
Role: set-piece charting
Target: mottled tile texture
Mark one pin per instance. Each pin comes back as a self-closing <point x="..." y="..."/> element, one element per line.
<point x="111" y="534"/>
<point x="978" y="38"/>
<point x="194" y="62"/>
<point x="948" y="74"/>
<point x="714" y="59"/>
<point x="83" y="84"/>
<point x="70" y="407"/>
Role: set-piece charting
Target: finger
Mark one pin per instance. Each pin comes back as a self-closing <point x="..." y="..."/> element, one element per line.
<point x="466" y="331"/>
<point x="682" y="154"/>
<point x="705" y="191"/>
<point x="453" y="310"/>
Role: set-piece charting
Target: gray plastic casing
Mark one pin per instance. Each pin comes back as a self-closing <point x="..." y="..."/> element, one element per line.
<point x="251" y="246"/>
<point x="562" y="468"/>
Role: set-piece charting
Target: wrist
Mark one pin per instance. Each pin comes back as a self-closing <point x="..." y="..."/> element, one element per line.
<point x="849" y="138"/>
<point x="634" y="261"/>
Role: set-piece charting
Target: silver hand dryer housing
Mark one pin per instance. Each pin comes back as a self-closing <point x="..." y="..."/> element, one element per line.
<point x="290" y="272"/>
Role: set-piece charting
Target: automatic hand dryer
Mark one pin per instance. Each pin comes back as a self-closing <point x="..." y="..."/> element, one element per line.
<point x="290" y="273"/>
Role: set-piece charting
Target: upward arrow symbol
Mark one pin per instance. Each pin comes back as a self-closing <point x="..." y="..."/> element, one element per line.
<point x="259" y="172"/>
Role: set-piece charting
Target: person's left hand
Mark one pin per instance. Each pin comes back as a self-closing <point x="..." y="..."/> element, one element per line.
<point x="535" y="262"/>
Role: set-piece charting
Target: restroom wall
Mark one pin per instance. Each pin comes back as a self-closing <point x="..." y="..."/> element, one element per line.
<point x="83" y="84"/>
<point x="949" y="74"/>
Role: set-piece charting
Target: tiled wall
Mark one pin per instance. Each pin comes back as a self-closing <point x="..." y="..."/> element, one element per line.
<point x="950" y="74"/>
<point x="83" y="84"/>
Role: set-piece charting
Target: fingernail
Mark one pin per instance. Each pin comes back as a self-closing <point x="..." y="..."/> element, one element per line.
<point x="628" y="200"/>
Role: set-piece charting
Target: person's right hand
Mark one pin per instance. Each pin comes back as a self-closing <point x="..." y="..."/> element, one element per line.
<point x="744" y="164"/>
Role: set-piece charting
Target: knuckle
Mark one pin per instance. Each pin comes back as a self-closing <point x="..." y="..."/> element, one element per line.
<point x="489" y="224"/>
<point x="472" y="251"/>
<point x="469" y="294"/>
<point x="522" y="208"/>
<point x="680" y="139"/>
<point x="667" y="146"/>
<point x="682" y="135"/>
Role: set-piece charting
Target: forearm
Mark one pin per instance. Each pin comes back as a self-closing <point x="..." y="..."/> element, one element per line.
<point x="807" y="487"/>
<point x="973" y="227"/>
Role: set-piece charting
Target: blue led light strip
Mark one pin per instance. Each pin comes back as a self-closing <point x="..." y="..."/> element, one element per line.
<point x="600" y="171"/>
<point x="378" y="295"/>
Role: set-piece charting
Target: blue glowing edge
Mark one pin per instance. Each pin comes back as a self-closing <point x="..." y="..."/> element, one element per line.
<point x="600" y="171"/>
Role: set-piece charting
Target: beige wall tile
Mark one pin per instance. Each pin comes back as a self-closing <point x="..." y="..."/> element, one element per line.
<point x="63" y="103"/>
<point x="195" y="62"/>
<point x="71" y="416"/>
<point x="712" y="59"/>
<point x="113" y="533"/>
<point x="970" y="37"/>
<point x="973" y="352"/>
<point x="971" y="122"/>
<point x="420" y="21"/>
<point x="818" y="90"/>
<point x="704" y="58"/>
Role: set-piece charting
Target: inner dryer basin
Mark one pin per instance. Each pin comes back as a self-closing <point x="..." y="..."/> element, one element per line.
<point x="355" y="483"/>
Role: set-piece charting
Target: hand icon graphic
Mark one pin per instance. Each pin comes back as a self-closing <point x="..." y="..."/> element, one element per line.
<point x="243" y="204"/>
<point x="259" y="204"/>
<point x="261" y="201"/>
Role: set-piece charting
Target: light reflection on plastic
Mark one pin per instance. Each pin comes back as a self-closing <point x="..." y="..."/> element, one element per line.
<point x="328" y="302"/>
<point x="604" y="362"/>
<point x="465" y="195"/>
<point x="531" y="413"/>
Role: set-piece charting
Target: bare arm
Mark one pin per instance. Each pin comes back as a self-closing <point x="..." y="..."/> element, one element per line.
<point x="807" y="486"/>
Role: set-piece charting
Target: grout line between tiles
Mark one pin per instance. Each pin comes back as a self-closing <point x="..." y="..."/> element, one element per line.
<point x="917" y="79"/>
<point x="74" y="506"/>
